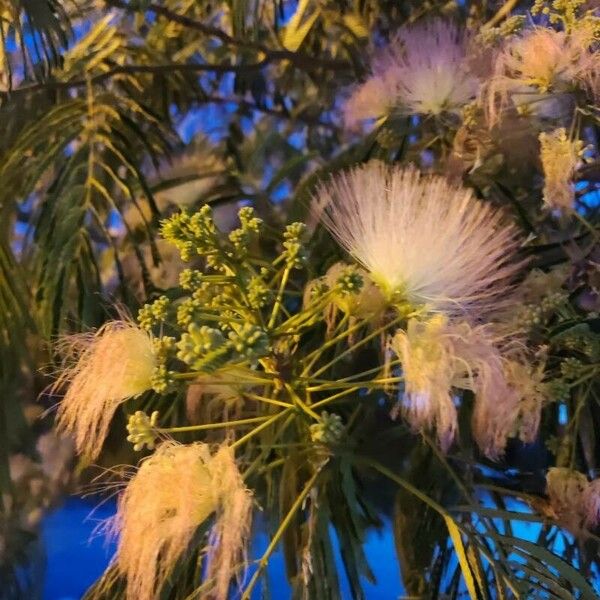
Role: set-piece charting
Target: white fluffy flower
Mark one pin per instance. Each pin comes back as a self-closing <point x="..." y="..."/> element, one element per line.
<point x="172" y="493"/>
<point x="113" y="365"/>
<point x="535" y="69"/>
<point x="560" y="157"/>
<point x="423" y="240"/>
<point x="425" y="70"/>
<point x="429" y="368"/>
<point x="438" y="358"/>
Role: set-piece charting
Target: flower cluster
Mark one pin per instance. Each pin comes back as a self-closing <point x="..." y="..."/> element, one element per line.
<point x="291" y="356"/>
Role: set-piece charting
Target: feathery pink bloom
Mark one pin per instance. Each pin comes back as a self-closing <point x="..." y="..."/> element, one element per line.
<point x="534" y="69"/>
<point x="423" y="241"/>
<point x="591" y="504"/>
<point x="438" y="358"/>
<point x="424" y="70"/>
<point x="574" y="499"/>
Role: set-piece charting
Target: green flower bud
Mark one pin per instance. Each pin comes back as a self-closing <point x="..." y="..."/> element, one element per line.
<point x="142" y="431"/>
<point x="329" y="430"/>
<point x="190" y="279"/>
<point x="202" y="348"/>
<point x="250" y="342"/>
<point x="154" y="313"/>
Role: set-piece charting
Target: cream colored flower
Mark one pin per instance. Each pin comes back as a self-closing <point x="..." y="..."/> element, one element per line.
<point x="561" y="157"/>
<point x="113" y="365"/>
<point x="422" y="240"/>
<point x="566" y="491"/>
<point x="365" y="304"/>
<point x="373" y="99"/>
<point x="591" y="503"/>
<point x="173" y="492"/>
<point x="429" y="368"/>
<point x="574" y="500"/>
<point x="438" y="358"/>
<point x="533" y="69"/>
<point x="526" y="381"/>
<point x="425" y="70"/>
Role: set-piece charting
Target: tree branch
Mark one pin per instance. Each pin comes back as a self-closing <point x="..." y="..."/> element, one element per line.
<point x="133" y="69"/>
<point x="302" y="61"/>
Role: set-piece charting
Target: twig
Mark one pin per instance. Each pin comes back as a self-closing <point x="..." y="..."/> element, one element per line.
<point x="262" y="563"/>
<point x="133" y="69"/>
<point x="504" y="11"/>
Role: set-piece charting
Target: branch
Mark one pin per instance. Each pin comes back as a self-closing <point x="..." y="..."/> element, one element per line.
<point x="503" y="12"/>
<point x="302" y="61"/>
<point x="133" y="69"/>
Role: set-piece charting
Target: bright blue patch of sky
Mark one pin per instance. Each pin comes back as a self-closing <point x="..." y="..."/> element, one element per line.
<point x="77" y="556"/>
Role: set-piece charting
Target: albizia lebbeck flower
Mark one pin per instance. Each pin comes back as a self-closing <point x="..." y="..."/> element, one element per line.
<point x="541" y="65"/>
<point x="574" y="500"/>
<point x="114" y="364"/>
<point x="425" y="69"/>
<point x="438" y="359"/>
<point x="560" y="157"/>
<point x="424" y="241"/>
<point x="172" y="493"/>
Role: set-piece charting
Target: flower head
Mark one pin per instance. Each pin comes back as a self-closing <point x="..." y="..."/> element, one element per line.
<point x="439" y="357"/>
<point x="429" y="368"/>
<point x="561" y="157"/>
<point x="525" y="380"/>
<point x="173" y="492"/>
<point x="366" y="301"/>
<point x="591" y="503"/>
<point x="113" y="365"/>
<point x="426" y="82"/>
<point x="539" y="65"/>
<point x="423" y="240"/>
<point x="566" y="491"/>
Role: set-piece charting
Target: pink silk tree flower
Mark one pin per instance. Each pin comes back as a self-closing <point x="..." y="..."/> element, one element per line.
<point x="425" y="69"/>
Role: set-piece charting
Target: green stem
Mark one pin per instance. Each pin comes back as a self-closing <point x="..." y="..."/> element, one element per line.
<point x="364" y="340"/>
<point x="455" y="529"/>
<point x="588" y="226"/>
<point x="205" y="426"/>
<point x="267" y="449"/>
<point x="409" y="487"/>
<point x="268" y="400"/>
<point x="335" y="397"/>
<point x="201" y="374"/>
<point x="315" y="354"/>
<point x="370" y="384"/>
<point x="260" y="428"/>
<point x="392" y="363"/>
<point x="296" y="321"/>
<point x="262" y="563"/>
<point x="442" y="458"/>
<point x="279" y="299"/>
<point x="302" y="405"/>
<point x="503" y="12"/>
